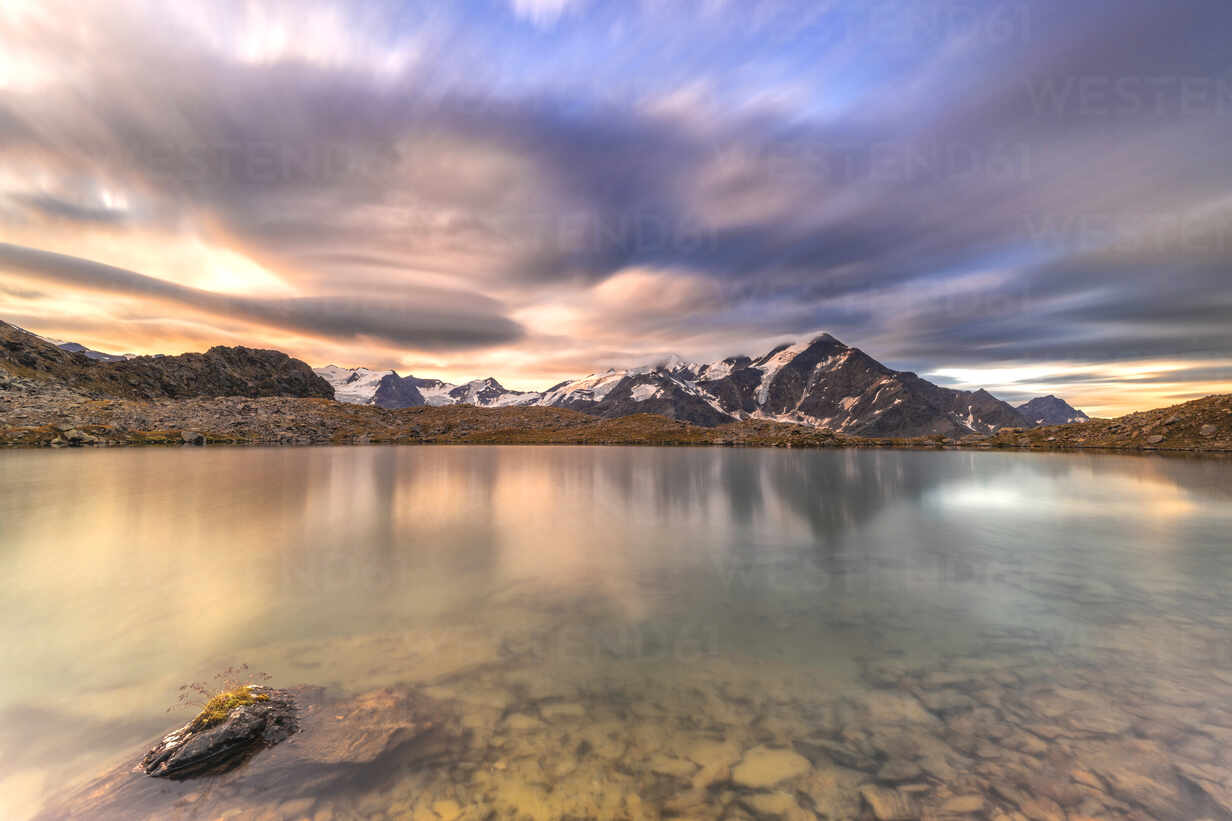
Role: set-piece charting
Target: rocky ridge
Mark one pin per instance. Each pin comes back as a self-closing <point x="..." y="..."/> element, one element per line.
<point x="1200" y="424"/>
<point x="220" y="371"/>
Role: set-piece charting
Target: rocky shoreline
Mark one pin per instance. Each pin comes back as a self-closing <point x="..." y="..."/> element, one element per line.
<point x="39" y="413"/>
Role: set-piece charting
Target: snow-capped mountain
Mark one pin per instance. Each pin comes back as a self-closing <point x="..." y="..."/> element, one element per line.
<point x="825" y="383"/>
<point x="819" y="381"/>
<point x="387" y="389"/>
<point x="489" y="393"/>
<point x="668" y="389"/>
<point x="1050" y="410"/>
<point x="89" y="353"/>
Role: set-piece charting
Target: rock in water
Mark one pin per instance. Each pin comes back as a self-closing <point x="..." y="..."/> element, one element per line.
<point x="888" y="804"/>
<point x="247" y="728"/>
<point x="764" y="767"/>
<point x="340" y="745"/>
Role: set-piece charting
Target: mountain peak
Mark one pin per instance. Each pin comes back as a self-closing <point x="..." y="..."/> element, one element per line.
<point x="1050" y="410"/>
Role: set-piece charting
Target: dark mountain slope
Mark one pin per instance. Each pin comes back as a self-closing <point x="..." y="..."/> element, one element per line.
<point x="220" y="371"/>
<point x="1050" y="410"/>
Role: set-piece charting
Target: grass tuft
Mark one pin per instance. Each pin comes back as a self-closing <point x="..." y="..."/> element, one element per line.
<point x="220" y="706"/>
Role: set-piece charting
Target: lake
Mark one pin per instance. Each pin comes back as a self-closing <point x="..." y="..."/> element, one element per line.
<point x="625" y="632"/>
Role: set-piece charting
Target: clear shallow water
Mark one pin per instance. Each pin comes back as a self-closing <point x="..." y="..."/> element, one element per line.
<point x="633" y="632"/>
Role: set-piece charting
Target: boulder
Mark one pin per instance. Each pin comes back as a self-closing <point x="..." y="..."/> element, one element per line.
<point x="77" y="438"/>
<point x="192" y="437"/>
<point x="194" y="750"/>
<point x="337" y="743"/>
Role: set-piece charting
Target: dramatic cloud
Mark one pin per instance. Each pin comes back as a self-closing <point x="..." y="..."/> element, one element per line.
<point x="1012" y="193"/>
<point x="434" y="320"/>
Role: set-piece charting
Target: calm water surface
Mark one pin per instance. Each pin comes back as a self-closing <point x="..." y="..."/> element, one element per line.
<point x="629" y="632"/>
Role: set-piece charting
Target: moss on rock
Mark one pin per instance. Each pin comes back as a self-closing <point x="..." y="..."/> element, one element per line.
<point x="220" y="706"/>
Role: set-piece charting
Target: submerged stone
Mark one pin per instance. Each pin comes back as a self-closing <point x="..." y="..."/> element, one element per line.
<point x="962" y="805"/>
<point x="773" y="804"/>
<point x="675" y="767"/>
<point x="888" y="804"/>
<point x="824" y="751"/>
<point x="896" y="771"/>
<point x="764" y="767"/>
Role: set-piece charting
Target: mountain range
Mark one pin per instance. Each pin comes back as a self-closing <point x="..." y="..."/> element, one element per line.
<point x="819" y="382"/>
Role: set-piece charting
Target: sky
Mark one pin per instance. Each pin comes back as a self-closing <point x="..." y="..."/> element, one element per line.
<point x="1028" y="196"/>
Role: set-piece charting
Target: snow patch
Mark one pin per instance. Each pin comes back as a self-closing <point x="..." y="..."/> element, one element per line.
<point x="646" y="391"/>
<point x="438" y="395"/>
<point x="355" y="386"/>
<point x="594" y="387"/>
<point x="717" y="370"/>
<point x="771" y="367"/>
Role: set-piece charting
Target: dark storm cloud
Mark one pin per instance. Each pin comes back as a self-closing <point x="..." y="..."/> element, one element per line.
<point x="434" y="321"/>
<point x="63" y="209"/>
